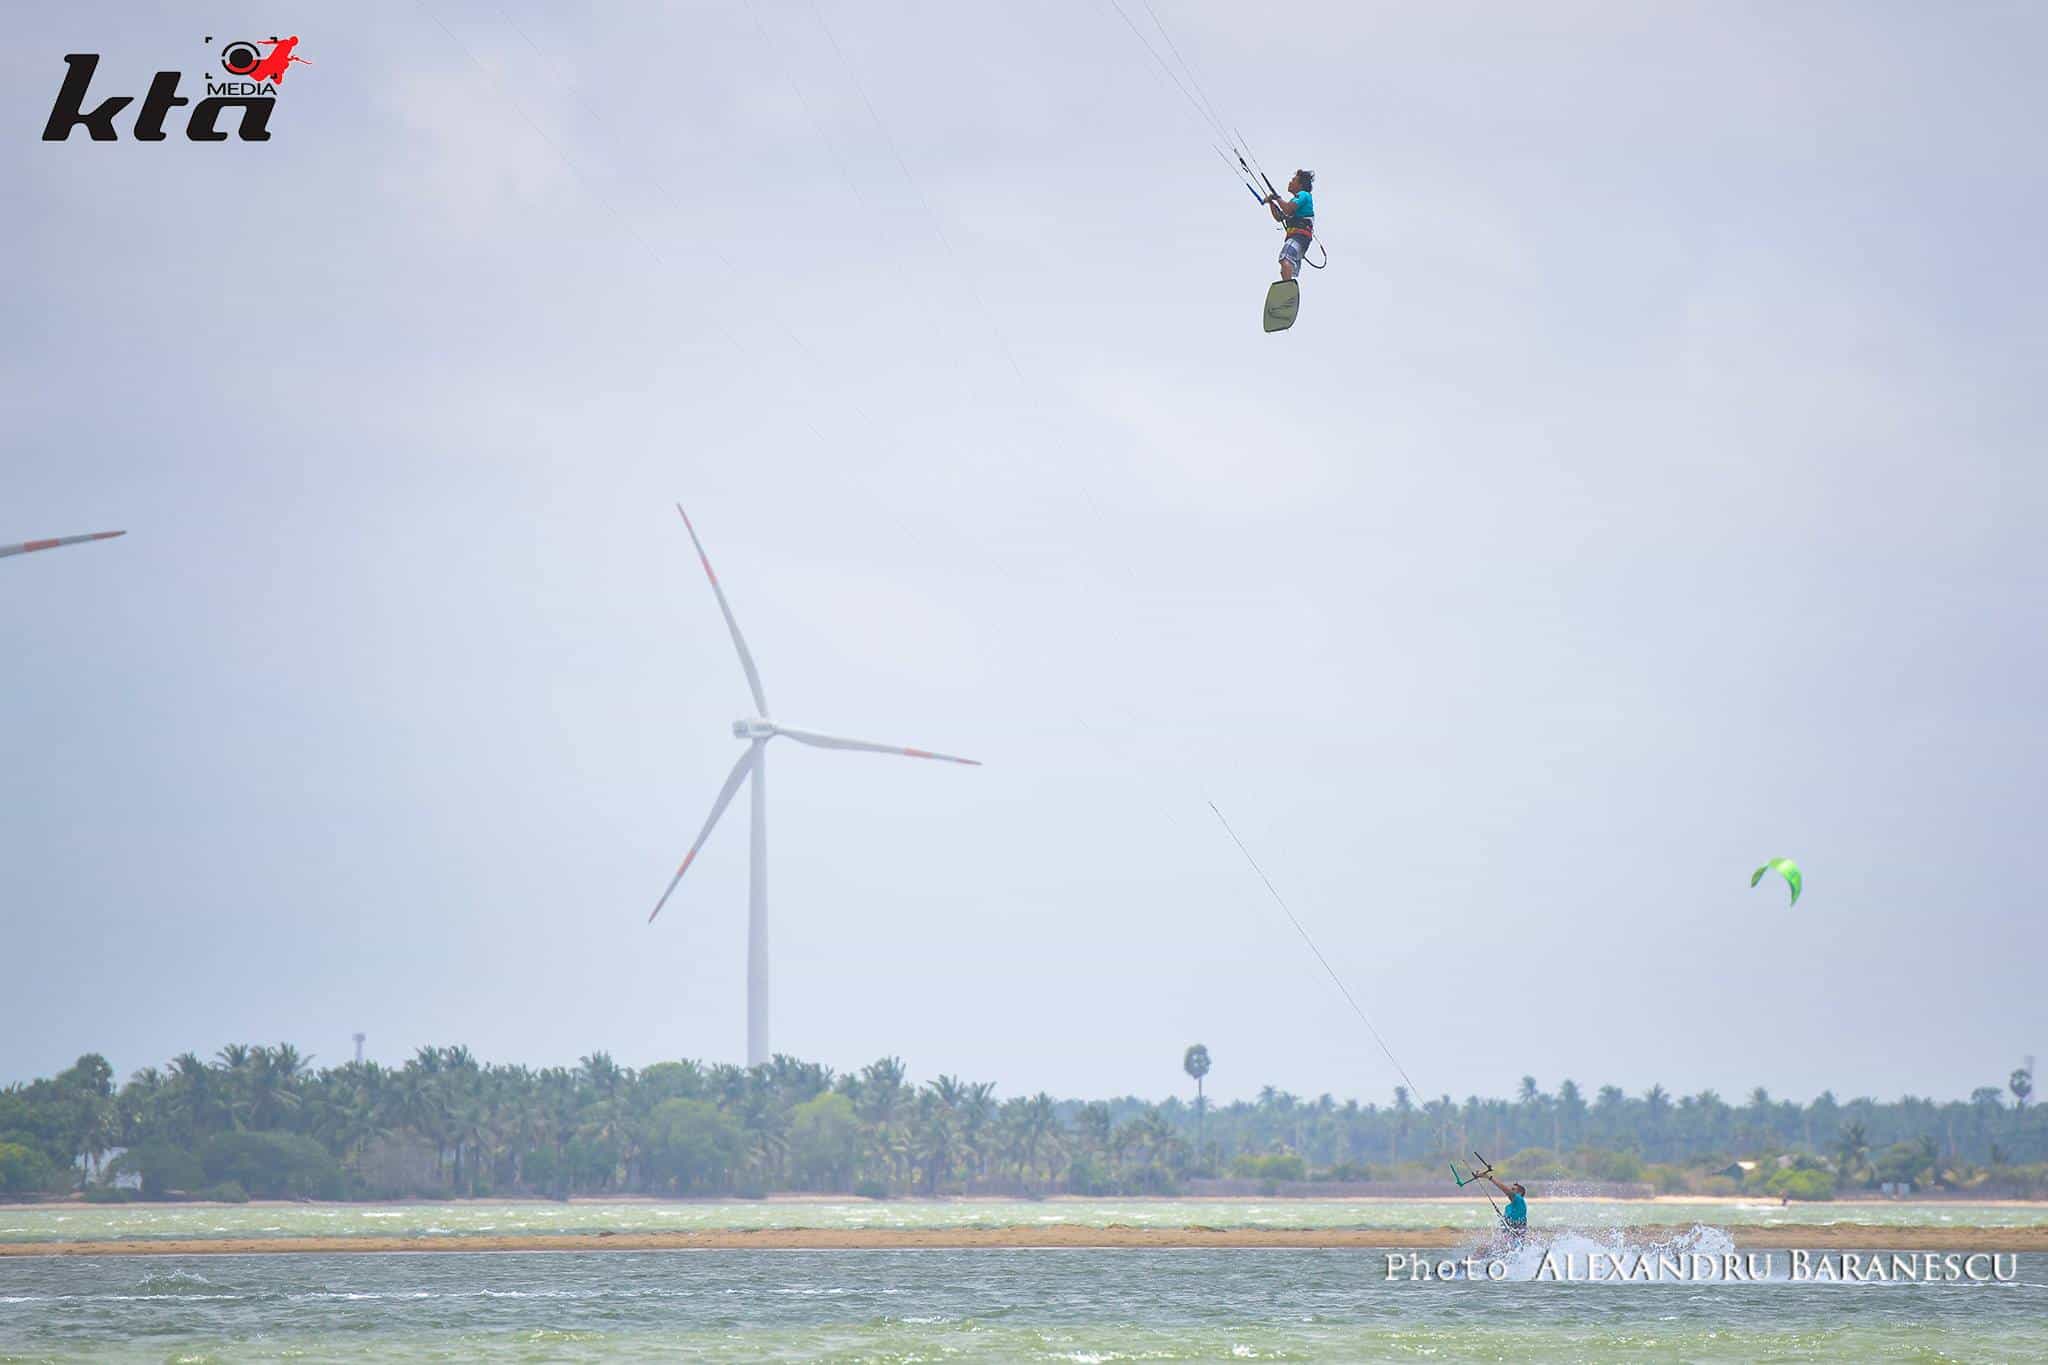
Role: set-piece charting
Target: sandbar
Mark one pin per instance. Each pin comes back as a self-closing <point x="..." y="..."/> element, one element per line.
<point x="1825" y="1237"/>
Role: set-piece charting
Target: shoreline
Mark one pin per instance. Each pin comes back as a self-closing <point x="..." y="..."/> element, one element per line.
<point x="486" y="1201"/>
<point x="1829" y="1237"/>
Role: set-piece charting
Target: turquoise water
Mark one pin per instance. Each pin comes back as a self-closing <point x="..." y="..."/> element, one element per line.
<point x="1074" y="1306"/>
<point x="89" y="1222"/>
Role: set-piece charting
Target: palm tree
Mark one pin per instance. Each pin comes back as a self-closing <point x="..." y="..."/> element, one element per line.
<point x="1824" y="1111"/>
<point x="1439" y="1112"/>
<point x="1853" y="1147"/>
<point x="189" y="1100"/>
<point x="1571" y="1109"/>
<point x="949" y="1090"/>
<point x="1713" y="1117"/>
<point x="934" y="1138"/>
<point x="767" y="1130"/>
<point x="1608" y="1109"/>
<point x="880" y="1092"/>
<point x="98" y="1128"/>
<point x="1760" y="1115"/>
<point x="1929" y="1154"/>
<point x="1093" y="1130"/>
<point x="977" y="1117"/>
<point x="1535" y="1101"/>
<point x="1984" y="1102"/>
<point x="232" y="1064"/>
<point x="274" y="1075"/>
<point x="1195" y="1061"/>
<point x="602" y="1074"/>
<point x="1036" y="1122"/>
<point x="797" y="1081"/>
<point x="1657" y="1111"/>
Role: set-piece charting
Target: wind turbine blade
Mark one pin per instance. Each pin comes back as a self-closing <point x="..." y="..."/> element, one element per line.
<point x="30" y="546"/>
<point x="739" y="641"/>
<point x="834" y="742"/>
<point x="732" y="784"/>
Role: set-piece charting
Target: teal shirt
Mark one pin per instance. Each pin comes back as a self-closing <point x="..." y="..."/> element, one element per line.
<point x="1302" y="215"/>
<point x="1516" y="1215"/>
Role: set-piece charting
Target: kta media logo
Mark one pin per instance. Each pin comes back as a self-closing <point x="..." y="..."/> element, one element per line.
<point x="245" y="59"/>
<point x="256" y="75"/>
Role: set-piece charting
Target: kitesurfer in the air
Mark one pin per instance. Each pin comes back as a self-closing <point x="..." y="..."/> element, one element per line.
<point x="1514" y="1219"/>
<point x="1296" y="212"/>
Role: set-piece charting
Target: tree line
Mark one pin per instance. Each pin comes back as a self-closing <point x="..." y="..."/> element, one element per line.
<point x="261" y="1121"/>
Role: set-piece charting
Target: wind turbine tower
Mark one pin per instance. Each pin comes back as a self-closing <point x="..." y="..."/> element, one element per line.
<point x="757" y="730"/>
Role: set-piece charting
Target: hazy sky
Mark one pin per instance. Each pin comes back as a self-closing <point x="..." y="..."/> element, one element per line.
<point x="1651" y="486"/>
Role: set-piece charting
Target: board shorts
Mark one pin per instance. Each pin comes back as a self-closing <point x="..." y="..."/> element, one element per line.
<point x="1291" y="250"/>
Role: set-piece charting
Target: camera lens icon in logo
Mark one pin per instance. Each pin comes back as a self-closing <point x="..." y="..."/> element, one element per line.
<point x="239" y="58"/>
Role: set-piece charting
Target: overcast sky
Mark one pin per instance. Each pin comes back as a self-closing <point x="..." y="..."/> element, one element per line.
<point x="1651" y="486"/>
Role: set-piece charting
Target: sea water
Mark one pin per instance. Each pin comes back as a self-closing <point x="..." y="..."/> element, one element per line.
<point x="925" y="1305"/>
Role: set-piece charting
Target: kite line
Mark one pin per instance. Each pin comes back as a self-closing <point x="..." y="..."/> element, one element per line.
<point x="1293" y="919"/>
<point x="1239" y="156"/>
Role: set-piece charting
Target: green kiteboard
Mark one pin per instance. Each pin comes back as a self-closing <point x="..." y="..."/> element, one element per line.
<point x="1283" y="301"/>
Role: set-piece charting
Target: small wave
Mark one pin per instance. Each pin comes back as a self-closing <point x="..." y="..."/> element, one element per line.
<point x="161" y="1282"/>
<point x="1568" y="1253"/>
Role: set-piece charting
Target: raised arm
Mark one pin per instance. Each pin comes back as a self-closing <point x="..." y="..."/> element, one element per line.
<point x="1494" y="1180"/>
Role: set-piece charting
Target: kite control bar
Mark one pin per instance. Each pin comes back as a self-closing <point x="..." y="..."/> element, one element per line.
<point x="1269" y="199"/>
<point x="1478" y="1173"/>
<point x="1481" y="1175"/>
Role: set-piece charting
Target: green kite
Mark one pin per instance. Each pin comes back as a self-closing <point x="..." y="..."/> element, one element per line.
<point x="1785" y="868"/>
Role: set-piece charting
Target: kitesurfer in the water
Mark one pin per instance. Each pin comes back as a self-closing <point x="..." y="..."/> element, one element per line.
<point x="1514" y="1219"/>
<point x="1296" y="212"/>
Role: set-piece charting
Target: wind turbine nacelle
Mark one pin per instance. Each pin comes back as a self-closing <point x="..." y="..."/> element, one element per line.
<point x="753" y="729"/>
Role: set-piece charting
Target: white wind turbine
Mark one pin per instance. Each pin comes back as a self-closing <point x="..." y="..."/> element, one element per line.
<point x="757" y="730"/>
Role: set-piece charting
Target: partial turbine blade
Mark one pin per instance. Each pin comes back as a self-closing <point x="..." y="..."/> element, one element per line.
<point x="834" y="742"/>
<point x="30" y="546"/>
<point x="738" y="641"/>
<point x="732" y="784"/>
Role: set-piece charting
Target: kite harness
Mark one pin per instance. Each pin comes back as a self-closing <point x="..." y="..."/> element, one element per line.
<point x="1304" y="227"/>
<point x="1294" y="225"/>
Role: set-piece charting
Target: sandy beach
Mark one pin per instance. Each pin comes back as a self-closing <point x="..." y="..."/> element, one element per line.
<point x="1055" y="1200"/>
<point x="1837" y="1236"/>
